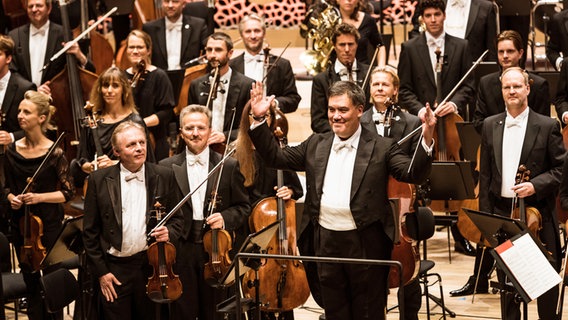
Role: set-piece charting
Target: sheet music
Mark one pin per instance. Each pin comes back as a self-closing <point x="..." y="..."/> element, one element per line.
<point x="528" y="265"/>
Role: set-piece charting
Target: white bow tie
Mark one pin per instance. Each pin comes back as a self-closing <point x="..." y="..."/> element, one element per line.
<point x="378" y="117"/>
<point x="172" y="26"/>
<point x="458" y="3"/>
<point x="340" y="145"/>
<point x="136" y="175"/>
<point x="437" y="43"/>
<point x="192" y="160"/>
<point x="40" y="32"/>
<point x="511" y="122"/>
<point x="257" y="58"/>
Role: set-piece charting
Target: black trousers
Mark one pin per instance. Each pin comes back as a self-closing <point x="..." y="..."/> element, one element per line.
<point x="353" y="291"/>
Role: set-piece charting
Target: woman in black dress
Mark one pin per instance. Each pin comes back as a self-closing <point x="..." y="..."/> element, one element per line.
<point x="154" y="95"/>
<point x="49" y="189"/>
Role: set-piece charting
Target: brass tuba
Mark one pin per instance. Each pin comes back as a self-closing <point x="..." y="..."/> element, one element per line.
<point x="319" y="25"/>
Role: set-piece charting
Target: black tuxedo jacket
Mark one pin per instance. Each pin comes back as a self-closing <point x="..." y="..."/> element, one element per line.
<point x="15" y="90"/>
<point x="403" y="123"/>
<point x="561" y="99"/>
<point x="376" y="159"/>
<point x="280" y="82"/>
<point x="558" y="32"/>
<point x="193" y="35"/>
<point x="102" y="225"/>
<point x="481" y="29"/>
<point x="320" y="86"/>
<point x="21" y="57"/>
<point x="237" y="97"/>
<point x="417" y="78"/>
<point x="542" y="153"/>
<point x="235" y="206"/>
<point x="490" y="97"/>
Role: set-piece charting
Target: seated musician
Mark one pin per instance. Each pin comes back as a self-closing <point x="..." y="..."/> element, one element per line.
<point x="511" y="138"/>
<point x="233" y="89"/>
<point x="51" y="187"/>
<point x="393" y="122"/>
<point x="261" y="181"/>
<point x="112" y="104"/>
<point x="153" y="92"/>
<point x="344" y="68"/>
<point x="117" y="206"/>
<point x="199" y="299"/>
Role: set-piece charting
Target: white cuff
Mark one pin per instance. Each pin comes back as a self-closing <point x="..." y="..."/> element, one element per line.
<point x="427" y="148"/>
<point x="559" y="63"/>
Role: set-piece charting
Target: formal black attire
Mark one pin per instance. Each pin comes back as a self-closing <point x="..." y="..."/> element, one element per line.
<point x="15" y="90"/>
<point x="370" y="39"/>
<point x="237" y="97"/>
<point x="561" y="99"/>
<point x="558" y="41"/>
<point x="481" y="30"/>
<point x="376" y="158"/>
<point x="200" y="9"/>
<point x="199" y="299"/>
<point x="417" y="78"/>
<point x="193" y="35"/>
<point x="280" y="81"/>
<point x="320" y="86"/>
<point x="54" y="176"/>
<point x="490" y="97"/>
<point x="155" y="95"/>
<point x="543" y="154"/>
<point x="102" y="229"/>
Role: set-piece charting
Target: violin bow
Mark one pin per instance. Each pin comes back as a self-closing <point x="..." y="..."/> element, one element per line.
<point x="375" y="55"/>
<point x="47" y="155"/>
<point x="275" y="62"/>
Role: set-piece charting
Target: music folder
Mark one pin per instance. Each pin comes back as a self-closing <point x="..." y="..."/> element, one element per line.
<point x="69" y="242"/>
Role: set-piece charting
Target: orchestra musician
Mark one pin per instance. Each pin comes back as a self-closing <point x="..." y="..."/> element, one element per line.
<point x="177" y="38"/>
<point x="153" y="92"/>
<point x="280" y="80"/>
<point x="36" y="42"/>
<point x="117" y="209"/>
<point x="345" y="68"/>
<point x="511" y="138"/>
<point x="396" y="125"/>
<point x="113" y="104"/>
<point x="489" y="96"/>
<point x="199" y="299"/>
<point x="233" y="90"/>
<point x="347" y="172"/>
<point x="260" y="180"/>
<point x="557" y="45"/>
<point x="51" y="187"/>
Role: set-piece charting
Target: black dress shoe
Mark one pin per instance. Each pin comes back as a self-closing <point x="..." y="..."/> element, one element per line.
<point x="467" y="289"/>
<point x="465" y="247"/>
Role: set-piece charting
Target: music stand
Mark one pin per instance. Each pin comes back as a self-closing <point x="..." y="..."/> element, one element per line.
<point x="254" y="243"/>
<point x="176" y="79"/>
<point x="470" y="140"/>
<point x="69" y="243"/>
<point x="451" y="181"/>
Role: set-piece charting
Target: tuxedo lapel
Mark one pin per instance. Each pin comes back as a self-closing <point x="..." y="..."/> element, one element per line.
<point x="532" y="131"/>
<point x="113" y="186"/>
<point x="449" y="49"/>
<point x="498" y="128"/>
<point x="364" y="152"/>
<point x="50" y="49"/>
<point x="232" y="96"/>
<point x="472" y="18"/>
<point x="423" y="52"/>
<point x="25" y="47"/>
<point x="11" y="90"/>
<point x="186" y="31"/>
<point x="321" y="156"/>
<point x="161" y="37"/>
<point x="238" y="64"/>
<point x="214" y="159"/>
<point x="152" y="185"/>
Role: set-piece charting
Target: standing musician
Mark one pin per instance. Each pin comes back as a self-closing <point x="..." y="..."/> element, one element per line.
<point x="509" y="139"/>
<point x="51" y="187"/>
<point x="191" y="167"/>
<point x="395" y="123"/>
<point x="177" y="38"/>
<point x="36" y="42"/>
<point x="347" y="172"/>
<point x="280" y="80"/>
<point x="557" y="45"/>
<point x="260" y="180"/>
<point x="153" y="92"/>
<point x="117" y="209"/>
<point x="489" y="96"/>
<point x="345" y="68"/>
<point x="112" y="104"/>
<point x="233" y="89"/>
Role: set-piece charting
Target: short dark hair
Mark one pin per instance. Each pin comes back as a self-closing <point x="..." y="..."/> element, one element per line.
<point x="222" y="36"/>
<point x="436" y="4"/>
<point x="6" y="45"/>
<point x="345" y="28"/>
<point x="512" y="35"/>
<point x="352" y="90"/>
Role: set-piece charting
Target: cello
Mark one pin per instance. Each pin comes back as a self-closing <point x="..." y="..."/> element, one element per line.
<point x="164" y="285"/>
<point x="283" y="285"/>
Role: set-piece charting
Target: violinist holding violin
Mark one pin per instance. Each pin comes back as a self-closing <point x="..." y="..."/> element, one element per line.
<point x="191" y="167"/>
<point x="522" y="136"/>
<point x="51" y="187"/>
<point x="117" y="210"/>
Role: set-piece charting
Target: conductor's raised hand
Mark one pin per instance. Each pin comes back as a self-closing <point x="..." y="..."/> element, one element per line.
<point x="428" y="124"/>
<point x="259" y="105"/>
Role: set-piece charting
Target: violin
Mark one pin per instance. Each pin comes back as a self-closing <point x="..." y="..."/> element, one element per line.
<point x="284" y="284"/>
<point x="139" y="73"/>
<point x="33" y="251"/>
<point x="530" y="216"/>
<point x="217" y="243"/>
<point x="164" y="285"/>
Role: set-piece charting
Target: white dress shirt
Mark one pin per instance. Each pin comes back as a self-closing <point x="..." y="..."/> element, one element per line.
<point x="197" y="170"/>
<point x="433" y="44"/>
<point x="513" y="138"/>
<point x="457" y="16"/>
<point x="219" y="104"/>
<point x="343" y="72"/>
<point x="173" y="43"/>
<point x="3" y="87"/>
<point x="335" y="210"/>
<point x="133" y="198"/>
<point x="38" y="48"/>
<point x="254" y="66"/>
